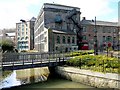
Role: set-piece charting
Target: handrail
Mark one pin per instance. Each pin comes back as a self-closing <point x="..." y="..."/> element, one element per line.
<point x="14" y="59"/>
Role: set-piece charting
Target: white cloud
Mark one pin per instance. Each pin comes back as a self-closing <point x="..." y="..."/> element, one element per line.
<point x="11" y="11"/>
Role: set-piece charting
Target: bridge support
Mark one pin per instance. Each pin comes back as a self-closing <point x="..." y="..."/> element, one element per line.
<point x="52" y="72"/>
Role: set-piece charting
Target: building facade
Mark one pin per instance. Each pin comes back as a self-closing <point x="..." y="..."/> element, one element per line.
<point x="107" y="34"/>
<point x="25" y="34"/>
<point x="55" y="28"/>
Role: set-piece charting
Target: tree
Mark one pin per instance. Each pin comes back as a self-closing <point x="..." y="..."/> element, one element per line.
<point x="7" y="45"/>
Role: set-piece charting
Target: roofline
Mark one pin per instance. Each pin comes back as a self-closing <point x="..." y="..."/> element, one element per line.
<point x="97" y="23"/>
<point x="60" y="5"/>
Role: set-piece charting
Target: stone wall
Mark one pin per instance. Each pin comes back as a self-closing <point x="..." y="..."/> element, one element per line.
<point x="95" y="79"/>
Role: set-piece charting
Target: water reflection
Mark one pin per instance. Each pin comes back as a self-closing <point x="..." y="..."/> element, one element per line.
<point x="24" y="76"/>
<point x="10" y="81"/>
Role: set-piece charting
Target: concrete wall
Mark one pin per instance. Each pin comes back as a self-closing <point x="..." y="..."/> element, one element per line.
<point x="96" y="79"/>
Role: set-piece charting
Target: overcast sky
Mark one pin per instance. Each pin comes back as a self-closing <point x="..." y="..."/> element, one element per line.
<point x="11" y="11"/>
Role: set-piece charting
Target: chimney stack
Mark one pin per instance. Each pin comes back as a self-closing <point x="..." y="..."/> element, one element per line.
<point x="84" y="18"/>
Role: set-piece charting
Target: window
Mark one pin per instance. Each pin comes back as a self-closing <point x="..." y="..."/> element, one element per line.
<point x="58" y="19"/>
<point x="63" y="39"/>
<point x="56" y="48"/>
<point x="95" y="38"/>
<point x="84" y="29"/>
<point x="109" y="31"/>
<point x="23" y="29"/>
<point x="74" y="48"/>
<point x="114" y="30"/>
<point x="103" y="30"/>
<point x="58" y="39"/>
<point x="22" y="33"/>
<point x="68" y="40"/>
<point x="18" y="34"/>
<point x="19" y="26"/>
<point x="26" y="33"/>
<point x="18" y="38"/>
<point x="22" y="38"/>
<point x="84" y="37"/>
<point x="109" y="38"/>
<point x="73" y="39"/>
<point x="114" y="39"/>
<point x="23" y="25"/>
<point x="26" y="38"/>
<point x="104" y="39"/>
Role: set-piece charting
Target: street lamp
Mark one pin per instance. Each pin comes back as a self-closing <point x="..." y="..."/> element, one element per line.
<point x="118" y="41"/>
<point x="22" y="20"/>
<point x="113" y="39"/>
<point x="96" y="45"/>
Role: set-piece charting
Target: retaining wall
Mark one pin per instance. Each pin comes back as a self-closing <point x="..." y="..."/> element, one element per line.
<point x="96" y="79"/>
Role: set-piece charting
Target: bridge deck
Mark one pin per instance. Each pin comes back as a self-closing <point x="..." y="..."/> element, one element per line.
<point x="28" y="60"/>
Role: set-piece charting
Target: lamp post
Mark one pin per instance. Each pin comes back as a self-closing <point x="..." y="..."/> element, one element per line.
<point x="96" y="45"/>
<point x="118" y="41"/>
<point x="113" y="39"/>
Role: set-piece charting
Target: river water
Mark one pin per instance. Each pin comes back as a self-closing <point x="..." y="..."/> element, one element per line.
<point x="35" y="78"/>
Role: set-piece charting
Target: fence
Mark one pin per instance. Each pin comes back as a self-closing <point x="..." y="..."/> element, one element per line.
<point x="13" y="59"/>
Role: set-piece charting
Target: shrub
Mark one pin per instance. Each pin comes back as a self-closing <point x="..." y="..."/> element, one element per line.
<point x="78" y="53"/>
<point x="96" y="63"/>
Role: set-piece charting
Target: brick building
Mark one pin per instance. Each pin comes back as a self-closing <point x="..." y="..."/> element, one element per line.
<point x="55" y="30"/>
<point x="107" y="33"/>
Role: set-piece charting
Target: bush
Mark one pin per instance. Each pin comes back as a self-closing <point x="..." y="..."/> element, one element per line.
<point x="78" y="53"/>
<point x="23" y="51"/>
<point x="7" y="45"/>
<point x="96" y="63"/>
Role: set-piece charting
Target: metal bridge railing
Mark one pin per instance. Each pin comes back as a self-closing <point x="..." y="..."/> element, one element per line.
<point x="12" y="59"/>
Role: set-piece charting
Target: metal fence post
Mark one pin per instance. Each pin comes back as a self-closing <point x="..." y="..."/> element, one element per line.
<point x="59" y="60"/>
<point x="32" y="60"/>
<point x="103" y="65"/>
<point x="23" y="59"/>
<point x="13" y="59"/>
<point x="80" y="63"/>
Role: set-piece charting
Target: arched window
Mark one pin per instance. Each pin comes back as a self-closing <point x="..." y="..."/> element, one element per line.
<point x="18" y="38"/>
<point x="73" y="39"/>
<point x="22" y="38"/>
<point x="26" y="37"/>
<point x="109" y="38"/>
<point x="56" y="48"/>
<point x="84" y="37"/>
<point x="63" y="39"/>
<point x="68" y="40"/>
<point x="58" y="39"/>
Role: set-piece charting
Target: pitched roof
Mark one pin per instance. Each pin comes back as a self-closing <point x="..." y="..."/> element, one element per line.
<point x="102" y="23"/>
